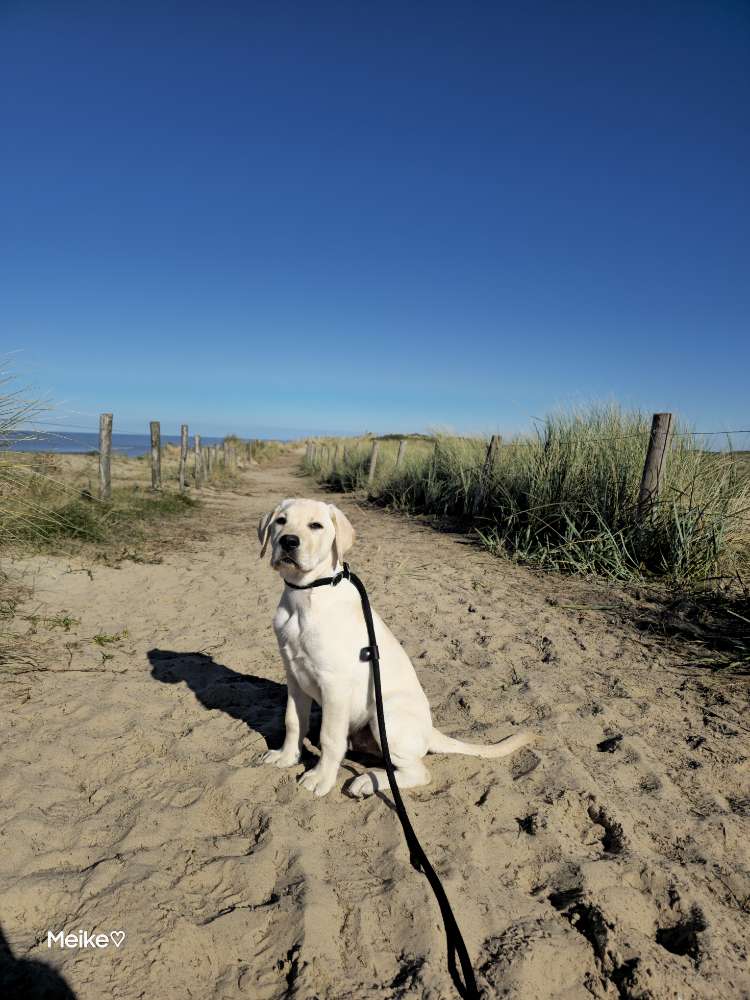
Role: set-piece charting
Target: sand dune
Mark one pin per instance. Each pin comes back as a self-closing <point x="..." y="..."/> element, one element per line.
<point x="611" y="859"/>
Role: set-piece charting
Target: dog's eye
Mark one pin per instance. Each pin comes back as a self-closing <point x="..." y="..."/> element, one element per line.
<point x="315" y="526"/>
<point x="280" y="520"/>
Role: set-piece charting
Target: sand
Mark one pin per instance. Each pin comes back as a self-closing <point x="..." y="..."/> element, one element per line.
<point x="610" y="859"/>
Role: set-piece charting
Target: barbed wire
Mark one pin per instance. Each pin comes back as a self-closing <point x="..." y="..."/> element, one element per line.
<point x="53" y="428"/>
<point x="646" y="432"/>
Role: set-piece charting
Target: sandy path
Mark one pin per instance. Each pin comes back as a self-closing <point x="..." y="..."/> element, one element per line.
<point x="132" y="798"/>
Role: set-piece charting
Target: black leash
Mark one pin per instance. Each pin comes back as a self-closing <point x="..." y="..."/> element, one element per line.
<point x="467" y="988"/>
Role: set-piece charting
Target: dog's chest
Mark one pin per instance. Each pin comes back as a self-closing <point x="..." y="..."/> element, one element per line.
<point x="299" y="642"/>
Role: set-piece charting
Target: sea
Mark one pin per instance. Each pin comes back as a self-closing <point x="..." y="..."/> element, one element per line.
<point x="76" y="443"/>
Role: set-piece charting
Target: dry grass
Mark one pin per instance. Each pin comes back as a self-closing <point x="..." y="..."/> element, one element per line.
<point x="16" y="651"/>
<point x="51" y="500"/>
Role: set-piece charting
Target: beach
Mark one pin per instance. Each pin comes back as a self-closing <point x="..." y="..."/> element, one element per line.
<point x="608" y="859"/>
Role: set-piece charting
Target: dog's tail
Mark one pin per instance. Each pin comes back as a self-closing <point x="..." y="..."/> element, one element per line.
<point x="440" y="743"/>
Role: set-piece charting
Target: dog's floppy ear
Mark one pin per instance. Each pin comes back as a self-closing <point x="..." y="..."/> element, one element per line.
<point x="264" y="527"/>
<point x="344" y="538"/>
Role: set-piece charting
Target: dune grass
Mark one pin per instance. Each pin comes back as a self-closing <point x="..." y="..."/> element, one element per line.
<point x="265" y="452"/>
<point x="565" y="497"/>
<point x="86" y="519"/>
<point x="17" y="473"/>
<point x="262" y="451"/>
<point x="47" y="500"/>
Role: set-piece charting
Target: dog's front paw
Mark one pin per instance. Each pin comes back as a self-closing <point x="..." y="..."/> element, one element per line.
<point x="318" y="780"/>
<point x="281" y="758"/>
<point x="361" y="786"/>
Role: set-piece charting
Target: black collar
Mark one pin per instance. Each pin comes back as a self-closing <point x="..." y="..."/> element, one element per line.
<point x="324" y="581"/>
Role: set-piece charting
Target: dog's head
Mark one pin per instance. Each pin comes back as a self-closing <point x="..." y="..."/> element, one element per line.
<point x="305" y="535"/>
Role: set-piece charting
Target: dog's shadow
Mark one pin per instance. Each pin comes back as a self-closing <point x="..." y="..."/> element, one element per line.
<point x="256" y="701"/>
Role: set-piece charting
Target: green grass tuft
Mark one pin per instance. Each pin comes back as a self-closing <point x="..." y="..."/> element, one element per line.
<point x="86" y="519"/>
<point x="565" y="497"/>
<point x="102" y="639"/>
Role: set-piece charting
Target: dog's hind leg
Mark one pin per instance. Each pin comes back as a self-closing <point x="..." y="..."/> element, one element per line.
<point x="408" y="734"/>
<point x="409" y="774"/>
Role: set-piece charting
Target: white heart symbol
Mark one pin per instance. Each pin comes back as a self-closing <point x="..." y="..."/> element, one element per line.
<point x="117" y="937"/>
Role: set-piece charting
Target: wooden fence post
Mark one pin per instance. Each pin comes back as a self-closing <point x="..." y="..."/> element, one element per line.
<point x="401" y="450"/>
<point x="484" y="477"/>
<point x="209" y="461"/>
<point x="198" y="462"/>
<point x="373" y="462"/>
<point x="433" y="463"/>
<point x="155" y="455"/>
<point x="335" y="456"/>
<point x="105" y="456"/>
<point x="656" y="457"/>
<point x="183" y="455"/>
<point x="492" y="449"/>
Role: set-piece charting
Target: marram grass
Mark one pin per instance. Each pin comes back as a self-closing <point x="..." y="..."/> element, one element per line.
<point x="38" y="507"/>
<point x="565" y="497"/>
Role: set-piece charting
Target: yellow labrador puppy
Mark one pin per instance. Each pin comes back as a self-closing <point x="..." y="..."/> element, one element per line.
<point x="320" y="632"/>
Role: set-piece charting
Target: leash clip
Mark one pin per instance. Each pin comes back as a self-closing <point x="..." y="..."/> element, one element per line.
<point x="369" y="653"/>
<point x="343" y="575"/>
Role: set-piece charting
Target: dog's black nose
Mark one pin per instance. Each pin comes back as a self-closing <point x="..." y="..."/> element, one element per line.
<point x="289" y="542"/>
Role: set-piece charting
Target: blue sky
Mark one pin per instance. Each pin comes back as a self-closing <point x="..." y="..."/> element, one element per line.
<point x="393" y="216"/>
